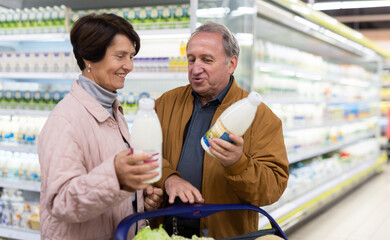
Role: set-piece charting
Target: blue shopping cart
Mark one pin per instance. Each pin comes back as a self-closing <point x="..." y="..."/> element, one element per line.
<point x="199" y="211"/>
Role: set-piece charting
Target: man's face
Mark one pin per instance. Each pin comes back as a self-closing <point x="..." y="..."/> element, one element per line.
<point x="209" y="68"/>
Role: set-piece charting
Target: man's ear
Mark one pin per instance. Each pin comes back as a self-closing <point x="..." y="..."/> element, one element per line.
<point x="233" y="61"/>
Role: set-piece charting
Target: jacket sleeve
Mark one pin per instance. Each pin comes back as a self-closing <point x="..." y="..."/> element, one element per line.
<point x="69" y="192"/>
<point x="260" y="176"/>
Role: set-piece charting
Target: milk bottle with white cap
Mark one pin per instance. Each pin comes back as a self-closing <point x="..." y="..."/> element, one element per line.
<point x="235" y="119"/>
<point x="146" y="134"/>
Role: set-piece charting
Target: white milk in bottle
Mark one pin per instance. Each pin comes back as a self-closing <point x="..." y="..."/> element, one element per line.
<point x="146" y="134"/>
<point x="235" y="119"/>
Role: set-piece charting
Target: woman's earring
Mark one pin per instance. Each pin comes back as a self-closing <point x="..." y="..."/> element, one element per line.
<point x="89" y="67"/>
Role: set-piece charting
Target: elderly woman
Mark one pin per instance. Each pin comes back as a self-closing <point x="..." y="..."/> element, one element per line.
<point x="90" y="178"/>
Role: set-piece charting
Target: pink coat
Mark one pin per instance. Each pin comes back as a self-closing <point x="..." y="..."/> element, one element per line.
<point x="80" y="194"/>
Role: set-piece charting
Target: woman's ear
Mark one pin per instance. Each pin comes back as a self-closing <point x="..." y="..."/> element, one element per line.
<point x="87" y="65"/>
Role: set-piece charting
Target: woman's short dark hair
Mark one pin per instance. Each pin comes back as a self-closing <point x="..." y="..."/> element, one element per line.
<point x="92" y="34"/>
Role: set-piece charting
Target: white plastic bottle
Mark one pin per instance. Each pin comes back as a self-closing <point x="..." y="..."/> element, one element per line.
<point x="146" y="134"/>
<point x="235" y="119"/>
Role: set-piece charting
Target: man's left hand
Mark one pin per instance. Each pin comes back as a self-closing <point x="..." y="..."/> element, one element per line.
<point x="228" y="153"/>
<point x="153" y="198"/>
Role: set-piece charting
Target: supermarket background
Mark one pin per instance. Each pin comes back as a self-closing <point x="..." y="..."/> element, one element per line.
<point x="328" y="83"/>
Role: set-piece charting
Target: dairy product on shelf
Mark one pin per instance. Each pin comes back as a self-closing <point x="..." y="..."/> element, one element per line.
<point x="15" y="211"/>
<point x="20" y="129"/>
<point x="39" y="62"/>
<point x="300" y="140"/>
<point x="148" y="17"/>
<point x="65" y="62"/>
<point x="279" y="75"/>
<point x="312" y="173"/>
<point x="30" y="100"/>
<point x="58" y="19"/>
<point x="19" y="166"/>
<point x="32" y="20"/>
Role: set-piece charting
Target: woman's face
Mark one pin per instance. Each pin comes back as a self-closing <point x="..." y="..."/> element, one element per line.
<point x="111" y="71"/>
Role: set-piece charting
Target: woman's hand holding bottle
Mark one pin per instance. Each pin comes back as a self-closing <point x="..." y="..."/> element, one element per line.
<point x="133" y="170"/>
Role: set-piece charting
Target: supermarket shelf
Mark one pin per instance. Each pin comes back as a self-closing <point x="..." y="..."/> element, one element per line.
<point x="19" y="233"/>
<point x="291" y="101"/>
<point x="349" y="81"/>
<point x="39" y="75"/>
<point x="43" y="37"/>
<point x="291" y="213"/>
<point x="319" y="24"/>
<point x="14" y="147"/>
<point x="20" y="184"/>
<point x="56" y="37"/>
<point x="74" y="75"/>
<point x="291" y="71"/>
<point x="315" y="151"/>
<point x="163" y="76"/>
<point x="323" y="125"/>
<point x="164" y="33"/>
<point x="287" y="70"/>
<point x="24" y="112"/>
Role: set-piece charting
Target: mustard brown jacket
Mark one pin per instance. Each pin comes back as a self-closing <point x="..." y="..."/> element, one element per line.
<point x="258" y="178"/>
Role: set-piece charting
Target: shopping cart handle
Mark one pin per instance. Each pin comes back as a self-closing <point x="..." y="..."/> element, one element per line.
<point x="190" y="211"/>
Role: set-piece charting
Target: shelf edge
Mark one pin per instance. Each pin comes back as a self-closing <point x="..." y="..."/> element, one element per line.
<point x="335" y="191"/>
<point x="20" y="233"/>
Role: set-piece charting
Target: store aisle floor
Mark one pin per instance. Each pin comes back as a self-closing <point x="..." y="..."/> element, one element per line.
<point x="363" y="214"/>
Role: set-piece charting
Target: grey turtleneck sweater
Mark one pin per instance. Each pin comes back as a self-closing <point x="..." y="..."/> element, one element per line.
<point x="103" y="96"/>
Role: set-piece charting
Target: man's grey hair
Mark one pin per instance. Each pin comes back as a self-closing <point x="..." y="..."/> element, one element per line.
<point x="230" y="43"/>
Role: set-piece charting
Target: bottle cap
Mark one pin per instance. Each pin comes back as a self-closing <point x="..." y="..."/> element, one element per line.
<point x="146" y="103"/>
<point x="255" y="98"/>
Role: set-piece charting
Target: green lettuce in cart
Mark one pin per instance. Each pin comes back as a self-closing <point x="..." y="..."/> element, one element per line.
<point x="147" y="233"/>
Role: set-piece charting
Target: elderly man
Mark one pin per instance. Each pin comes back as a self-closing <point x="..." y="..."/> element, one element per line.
<point x="251" y="170"/>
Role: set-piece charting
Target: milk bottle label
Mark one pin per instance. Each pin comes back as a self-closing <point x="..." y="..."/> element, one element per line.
<point x="155" y="157"/>
<point x="218" y="130"/>
<point x="156" y="154"/>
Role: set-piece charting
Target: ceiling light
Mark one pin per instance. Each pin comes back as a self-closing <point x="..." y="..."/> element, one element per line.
<point x="219" y="12"/>
<point x="243" y="11"/>
<point x="349" y="5"/>
<point x="307" y="23"/>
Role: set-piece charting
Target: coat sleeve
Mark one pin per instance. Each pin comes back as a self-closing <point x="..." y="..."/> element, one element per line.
<point x="260" y="176"/>
<point x="69" y="192"/>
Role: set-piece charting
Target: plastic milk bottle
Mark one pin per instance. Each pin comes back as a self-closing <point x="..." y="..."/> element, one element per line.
<point x="146" y="134"/>
<point x="235" y="119"/>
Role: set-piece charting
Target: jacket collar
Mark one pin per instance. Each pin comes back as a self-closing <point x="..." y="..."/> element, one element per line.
<point x="234" y="94"/>
<point x="220" y="96"/>
<point x="91" y="104"/>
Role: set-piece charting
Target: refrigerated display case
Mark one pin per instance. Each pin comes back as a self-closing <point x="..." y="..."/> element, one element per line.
<point x="37" y="68"/>
<point x="384" y="108"/>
